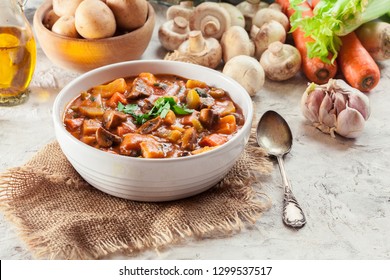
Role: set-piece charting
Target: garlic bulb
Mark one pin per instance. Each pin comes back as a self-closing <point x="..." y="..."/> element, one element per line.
<point x="336" y="107"/>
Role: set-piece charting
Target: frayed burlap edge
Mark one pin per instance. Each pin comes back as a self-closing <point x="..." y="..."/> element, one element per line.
<point x="253" y="158"/>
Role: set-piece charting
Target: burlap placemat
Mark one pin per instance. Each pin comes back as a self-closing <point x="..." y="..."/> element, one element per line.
<point x="59" y="216"/>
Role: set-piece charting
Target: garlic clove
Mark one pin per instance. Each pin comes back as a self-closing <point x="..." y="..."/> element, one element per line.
<point x="350" y="123"/>
<point x="326" y="116"/>
<point x="311" y="102"/>
<point x="339" y="102"/>
<point x="360" y="104"/>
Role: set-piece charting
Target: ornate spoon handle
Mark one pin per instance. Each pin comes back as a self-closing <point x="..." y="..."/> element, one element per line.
<point x="293" y="215"/>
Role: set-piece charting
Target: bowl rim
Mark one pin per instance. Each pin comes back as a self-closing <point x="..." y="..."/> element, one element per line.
<point x="58" y="122"/>
<point x="47" y="4"/>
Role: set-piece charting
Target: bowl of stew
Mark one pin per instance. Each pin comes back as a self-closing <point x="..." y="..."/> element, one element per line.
<point x="152" y="130"/>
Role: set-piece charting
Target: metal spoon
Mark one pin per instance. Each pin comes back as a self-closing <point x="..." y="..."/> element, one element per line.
<point x="274" y="135"/>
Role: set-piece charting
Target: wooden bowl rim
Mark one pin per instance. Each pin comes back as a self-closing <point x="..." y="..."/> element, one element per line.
<point x="48" y="4"/>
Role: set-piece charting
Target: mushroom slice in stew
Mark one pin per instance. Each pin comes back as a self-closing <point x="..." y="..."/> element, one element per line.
<point x="105" y="138"/>
<point x="112" y="119"/>
<point x="139" y="89"/>
<point x="150" y="125"/>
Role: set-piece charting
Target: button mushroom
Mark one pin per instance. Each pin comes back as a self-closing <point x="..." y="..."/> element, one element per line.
<point x="266" y="15"/>
<point x="248" y="9"/>
<point x="235" y="41"/>
<point x="236" y="16"/>
<point x="198" y="50"/>
<point x="105" y="138"/>
<point x="184" y="9"/>
<point x="281" y="61"/>
<point x="173" y="32"/>
<point x="247" y="71"/>
<point x="269" y="32"/>
<point x="211" y="19"/>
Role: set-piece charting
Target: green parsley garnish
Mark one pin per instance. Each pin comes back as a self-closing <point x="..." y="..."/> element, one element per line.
<point x="161" y="108"/>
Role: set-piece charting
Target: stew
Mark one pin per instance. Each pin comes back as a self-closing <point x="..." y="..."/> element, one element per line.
<point x="154" y="116"/>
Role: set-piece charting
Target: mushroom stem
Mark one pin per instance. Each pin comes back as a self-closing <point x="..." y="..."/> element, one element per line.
<point x="211" y="19"/>
<point x="209" y="26"/>
<point x="280" y="61"/>
<point x="196" y="41"/>
<point x="276" y="49"/>
<point x="180" y="25"/>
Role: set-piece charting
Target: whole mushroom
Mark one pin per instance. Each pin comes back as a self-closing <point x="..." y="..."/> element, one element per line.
<point x="173" y="33"/>
<point x="235" y="41"/>
<point x="248" y="9"/>
<point x="211" y="19"/>
<point x="265" y="35"/>
<point x="280" y="61"/>
<point x="199" y="50"/>
<point x="266" y="15"/>
<point x="236" y="17"/>
<point x="183" y="9"/>
<point x="247" y="71"/>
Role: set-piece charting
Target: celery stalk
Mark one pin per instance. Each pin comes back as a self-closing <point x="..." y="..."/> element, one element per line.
<point x="334" y="18"/>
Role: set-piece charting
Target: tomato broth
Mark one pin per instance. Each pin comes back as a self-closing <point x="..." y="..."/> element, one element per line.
<point x="154" y="116"/>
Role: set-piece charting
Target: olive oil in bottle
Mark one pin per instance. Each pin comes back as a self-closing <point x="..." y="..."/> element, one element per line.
<point x="17" y="55"/>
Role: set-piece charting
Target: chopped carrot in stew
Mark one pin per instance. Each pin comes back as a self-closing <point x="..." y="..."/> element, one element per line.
<point x="115" y="99"/>
<point x="213" y="140"/>
<point x="154" y="116"/>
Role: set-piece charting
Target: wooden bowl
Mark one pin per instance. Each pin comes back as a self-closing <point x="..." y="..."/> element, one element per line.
<point x="82" y="55"/>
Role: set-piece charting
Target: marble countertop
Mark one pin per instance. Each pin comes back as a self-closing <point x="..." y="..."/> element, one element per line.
<point x="343" y="185"/>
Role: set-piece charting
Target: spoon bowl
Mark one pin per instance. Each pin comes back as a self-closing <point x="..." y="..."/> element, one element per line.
<point x="274" y="135"/>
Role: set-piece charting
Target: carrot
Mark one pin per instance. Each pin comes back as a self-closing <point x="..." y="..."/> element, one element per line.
<point x="314" y="69"/>
<point x="314" y="3"/>
<point x="227" y="125"/>
<point x="213" y="140"/>
<point x="356" y="64"/>
<point x="152" y="149"/>
<point x="115" y="99"/>
<point x="73" y="124"/>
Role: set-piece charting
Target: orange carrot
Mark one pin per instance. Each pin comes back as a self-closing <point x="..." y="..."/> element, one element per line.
<point x="213" y="140"/>
<point x="73" y="124"/>
<point x="115" y="99"/>
<point x="314" y="68"/>
<point x="356" y="64"/>
<point x="227" y="125"/>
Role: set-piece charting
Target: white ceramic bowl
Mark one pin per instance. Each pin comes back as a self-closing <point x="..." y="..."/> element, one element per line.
<point x="151" y="179"/>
